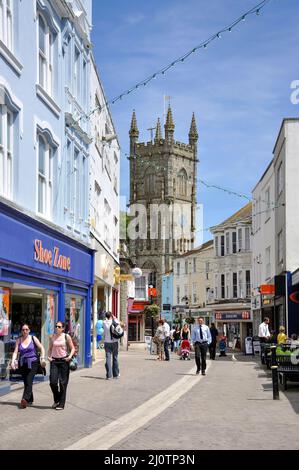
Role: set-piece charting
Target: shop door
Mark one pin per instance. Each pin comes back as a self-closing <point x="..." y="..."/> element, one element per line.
<point x="135" y="328"/>
<point x="233" y="335"/>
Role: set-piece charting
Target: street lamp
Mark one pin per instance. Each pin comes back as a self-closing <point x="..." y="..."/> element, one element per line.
<point x="151" y="301"/>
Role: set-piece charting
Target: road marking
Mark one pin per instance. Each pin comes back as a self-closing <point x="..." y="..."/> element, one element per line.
<point x="107" y="436"/>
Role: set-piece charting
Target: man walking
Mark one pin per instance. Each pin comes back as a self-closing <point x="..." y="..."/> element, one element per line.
<point x="111" y="348"/>
<point x="212" y="346"/>
<point x="264" y="333"/>
<point x="201" y="338"/>
<point x="166" y="328"/>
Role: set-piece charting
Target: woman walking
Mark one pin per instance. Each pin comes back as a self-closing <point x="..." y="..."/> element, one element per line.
<point x="185" y="332"/>
<point x="59" y="358"/>
<point x="27" y="348"/>
<point x="176" y="338"/>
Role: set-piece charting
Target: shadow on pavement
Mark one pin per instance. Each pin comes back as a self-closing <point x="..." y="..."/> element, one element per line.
<point x="17" y="405"/>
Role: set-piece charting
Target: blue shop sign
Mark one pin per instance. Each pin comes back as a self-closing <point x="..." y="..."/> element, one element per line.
<point x="34" y="247"/>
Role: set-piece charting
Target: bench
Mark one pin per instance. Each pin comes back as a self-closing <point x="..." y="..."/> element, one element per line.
<point x="287" y="370"/>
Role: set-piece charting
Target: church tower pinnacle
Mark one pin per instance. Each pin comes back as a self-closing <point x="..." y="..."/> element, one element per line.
<point x="158" y="136"/>
<point x="169" y="127"/>
<point x="193" y="134"/>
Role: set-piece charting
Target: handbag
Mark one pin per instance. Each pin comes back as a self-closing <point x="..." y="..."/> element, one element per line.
<point x="73" y="363"/>
<point x="41" y="370"/>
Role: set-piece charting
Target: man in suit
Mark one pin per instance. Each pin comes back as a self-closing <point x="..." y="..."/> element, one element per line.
<point x="201" y="338"/>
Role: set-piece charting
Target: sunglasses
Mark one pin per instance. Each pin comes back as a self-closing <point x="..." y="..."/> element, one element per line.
<point x="58" y="326"/>
<point x="25" y="329"/>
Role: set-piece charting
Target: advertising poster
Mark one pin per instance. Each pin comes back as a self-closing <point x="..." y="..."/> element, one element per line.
<point x="50" y="312"/>
<point x="4" y="311"/>
<point x="72" y="325"/>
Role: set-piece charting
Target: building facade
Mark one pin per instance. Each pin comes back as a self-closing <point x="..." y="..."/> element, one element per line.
<point x="44" y="169"/>
<point x="104" y="200"/>
<point x="231" y="305"/>
<point x="163" y="187"/>
<point x="192" y="283"/>
<point x="263" y="247"/>
<point x="275" y="233"/>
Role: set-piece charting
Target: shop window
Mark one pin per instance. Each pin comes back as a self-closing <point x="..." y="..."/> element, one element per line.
<point x="74" y="320"/>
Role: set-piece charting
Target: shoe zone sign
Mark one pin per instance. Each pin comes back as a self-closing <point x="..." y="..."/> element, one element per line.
<point x="34" y="246"/>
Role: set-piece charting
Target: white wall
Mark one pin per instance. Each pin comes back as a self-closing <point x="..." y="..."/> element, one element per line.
<point x="263" y="229"/>
<point x="104" y="173"/>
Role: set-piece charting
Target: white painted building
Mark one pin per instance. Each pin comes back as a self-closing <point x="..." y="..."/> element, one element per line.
<point x="192" y="281"/>
<point x="104" y="199"/>
<point x="263" y="245"/>
<point x="276" y="224"/>
<point x="232" y="277"/>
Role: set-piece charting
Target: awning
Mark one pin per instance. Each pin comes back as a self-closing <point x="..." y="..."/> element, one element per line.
<point x="138" y="306"/>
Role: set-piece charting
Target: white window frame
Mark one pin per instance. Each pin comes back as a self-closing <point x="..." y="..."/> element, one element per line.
<point x="46" y="179"/>
<point x="140" y="288"/>
<point x="216" y="245"/>
<point x="76" y="184"/>
<point x="7" y="23"/>
<point x="280" y="247"/>
<point x="227" y="247"/>
<point x="279" y="179"/>
<point x="268" y="262"/>
<point x="45" y="58"/>
<point x="77" y="73"/>
<point x="194" y="292"/>
<point x="240" y="239"/>
<point x="6" y="151"/>
<point x="247" y="239"/>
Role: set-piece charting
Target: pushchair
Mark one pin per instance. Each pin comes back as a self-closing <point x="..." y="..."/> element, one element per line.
<point x="185" y="350"/>
<point x="222" y="346"/>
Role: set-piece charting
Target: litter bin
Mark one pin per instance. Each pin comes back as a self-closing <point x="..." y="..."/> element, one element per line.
<point x="248" y="346"/>
<point x="256" y="344"/>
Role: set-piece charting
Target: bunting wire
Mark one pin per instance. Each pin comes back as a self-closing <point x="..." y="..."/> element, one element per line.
<point x="257" y="9"/>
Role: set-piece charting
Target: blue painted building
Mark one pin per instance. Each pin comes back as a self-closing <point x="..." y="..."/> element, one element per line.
<point x="167" y="296"/>
<point x="46" y="263"/>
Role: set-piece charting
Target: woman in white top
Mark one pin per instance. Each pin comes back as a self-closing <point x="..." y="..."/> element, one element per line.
<point x="59" y="345"/>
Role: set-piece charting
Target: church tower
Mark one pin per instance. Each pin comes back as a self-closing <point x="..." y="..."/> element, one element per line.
<point x="163" y="176"/>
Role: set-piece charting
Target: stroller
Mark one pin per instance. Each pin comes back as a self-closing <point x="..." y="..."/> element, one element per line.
<point x="185" y="350"/>
<point x="222" y="346"/>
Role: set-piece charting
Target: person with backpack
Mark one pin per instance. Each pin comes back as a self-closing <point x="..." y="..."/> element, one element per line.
<point x="59" y="345"/>
<point x="112" y="334"/>
<point x="27" y="347"/>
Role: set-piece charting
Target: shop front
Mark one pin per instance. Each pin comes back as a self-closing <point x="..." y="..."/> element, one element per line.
<point x="137" y="323"/>
<point x="45" y="276"/>
<point x="235" y="325"/>
<point x="105" y="294"/>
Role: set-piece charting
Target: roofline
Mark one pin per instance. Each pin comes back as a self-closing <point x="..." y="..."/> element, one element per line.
<point x="284" y="121"/>
<point x="272" y="161"/>
<point x="104" y="95"/>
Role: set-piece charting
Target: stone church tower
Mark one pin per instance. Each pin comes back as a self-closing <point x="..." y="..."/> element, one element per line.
<point x="163" y="174"/>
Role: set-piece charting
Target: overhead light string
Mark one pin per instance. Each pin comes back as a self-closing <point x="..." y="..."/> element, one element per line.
<point x="257" y="9"/>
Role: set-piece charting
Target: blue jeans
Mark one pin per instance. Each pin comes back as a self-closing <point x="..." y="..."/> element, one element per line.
<point x="111" y="350"/>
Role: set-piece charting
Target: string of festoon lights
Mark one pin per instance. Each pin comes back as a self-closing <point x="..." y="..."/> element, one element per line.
<point x="256" y="10"/>
<point x="231" y="192"/>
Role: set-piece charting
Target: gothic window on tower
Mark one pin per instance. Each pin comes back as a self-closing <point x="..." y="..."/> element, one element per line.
<point x="182" y="179"/>
<point x="150" y="181"/>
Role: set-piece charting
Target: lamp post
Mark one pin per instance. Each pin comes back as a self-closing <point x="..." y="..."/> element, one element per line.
<point x="151" y="301"/>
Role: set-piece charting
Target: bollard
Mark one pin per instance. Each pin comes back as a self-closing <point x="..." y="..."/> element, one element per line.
<point x="275" y="383"/>
<point x="273" y="356"/>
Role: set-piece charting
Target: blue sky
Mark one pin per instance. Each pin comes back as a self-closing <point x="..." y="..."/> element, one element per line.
<point x="239" y="87"/>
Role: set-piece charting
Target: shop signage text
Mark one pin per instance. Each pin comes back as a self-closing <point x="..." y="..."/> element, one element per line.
<point x="232" y="316"/>
<point x="51" y="257"/>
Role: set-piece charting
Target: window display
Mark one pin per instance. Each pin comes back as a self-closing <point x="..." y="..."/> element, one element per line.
<point x="74" y="317"/>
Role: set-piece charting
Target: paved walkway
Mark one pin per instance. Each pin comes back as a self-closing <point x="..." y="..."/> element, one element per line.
<point x="158" y="405"/>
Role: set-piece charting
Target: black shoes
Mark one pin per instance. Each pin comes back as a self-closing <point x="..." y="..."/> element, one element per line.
<point x="197" y="372"/>
<point x="203" y="373"/>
